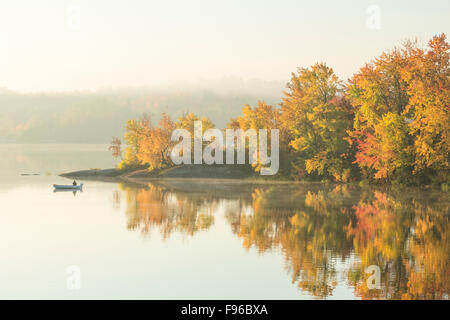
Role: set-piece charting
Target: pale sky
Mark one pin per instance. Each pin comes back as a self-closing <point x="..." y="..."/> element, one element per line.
<point x="145" y="42"/>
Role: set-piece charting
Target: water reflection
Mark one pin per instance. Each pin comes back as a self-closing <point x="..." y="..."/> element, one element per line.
<point x="317" y="228"/>
<point x="67" y="190"/>
<point x="156" y="207"/>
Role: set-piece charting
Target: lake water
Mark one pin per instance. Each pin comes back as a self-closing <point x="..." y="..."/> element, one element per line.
<point x="210" y="239"/>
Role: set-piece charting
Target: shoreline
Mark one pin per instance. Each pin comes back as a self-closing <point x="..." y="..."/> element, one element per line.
<point x="229" y="174"/>
<point x="215" y="174"/>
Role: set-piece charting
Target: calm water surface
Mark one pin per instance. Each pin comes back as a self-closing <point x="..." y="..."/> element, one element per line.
<point x="212" y="240"/>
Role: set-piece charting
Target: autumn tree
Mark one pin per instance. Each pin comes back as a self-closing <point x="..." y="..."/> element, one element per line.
<point x="133" y="137"/>
<point x="402" y="118"/>
<point x="317" y="117"/>
<point x="378" y="93"/>
<point x="427" y="74"/>
<point x="156" y="144"/>
<point x="262" y="116"/>
<point x="187" y="122"/>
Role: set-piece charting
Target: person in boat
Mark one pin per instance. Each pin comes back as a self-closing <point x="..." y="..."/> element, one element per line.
<point x="74" y="183"/>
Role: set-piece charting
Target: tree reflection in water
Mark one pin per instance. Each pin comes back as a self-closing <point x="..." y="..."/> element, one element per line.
<point x="317" y="227"/>
<point x="156" y="207"/>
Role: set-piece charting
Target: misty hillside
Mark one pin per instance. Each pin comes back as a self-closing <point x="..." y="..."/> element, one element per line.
<point x="94" y="117"/>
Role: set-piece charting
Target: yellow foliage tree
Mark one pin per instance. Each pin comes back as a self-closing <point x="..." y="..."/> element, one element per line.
<point x="156" y="144"/>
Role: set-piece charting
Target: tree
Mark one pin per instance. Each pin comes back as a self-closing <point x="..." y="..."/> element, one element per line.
<point x="263" y="116"/>
<point x="156" y="144"/>
<point x="402" y="115"/>
<point x="115" y="147"/>
<point x="386" y="150"/>
<point x="317" y="117"/>
<point x="187" y="122"/>
<point x="378" y="94"/>
<point x="427" y="74"/>
<point x="132" y="136"/>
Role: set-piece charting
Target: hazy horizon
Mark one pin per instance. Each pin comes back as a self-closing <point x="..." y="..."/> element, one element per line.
<point x="78" y="45"/>
<point x="96" y="116"/>
<point x="223" y="85"/>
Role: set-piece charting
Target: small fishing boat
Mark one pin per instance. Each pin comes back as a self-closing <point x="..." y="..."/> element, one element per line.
<point x="68" y="187"/>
